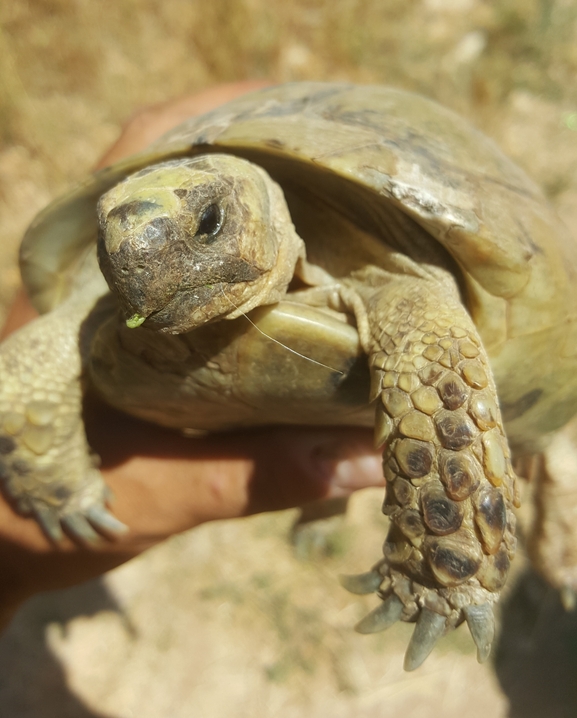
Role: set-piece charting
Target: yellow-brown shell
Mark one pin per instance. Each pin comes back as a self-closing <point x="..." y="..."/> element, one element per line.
<point x="366" y="145"/>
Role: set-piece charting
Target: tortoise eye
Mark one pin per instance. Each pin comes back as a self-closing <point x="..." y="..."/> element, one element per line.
<point x="210" y="221"/>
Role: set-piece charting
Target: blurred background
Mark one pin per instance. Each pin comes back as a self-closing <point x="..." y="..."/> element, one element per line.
<point x="226" y="620"/>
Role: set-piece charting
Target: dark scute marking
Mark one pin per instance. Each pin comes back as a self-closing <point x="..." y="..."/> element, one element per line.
<point x="181" y="192"/>
<point x="403" y="491"/>
<point x="517" y="408"/>
<point x="455" y="429"/>
<point x="410" y="523"/>
<point x="390" y="505"/>
<point x="415" y="457"/>
<point x="131" y="209"/>
<point x="502" y="563"/>
<point x="7" y="445"/>
<point x="5" y="472"/>
<point x="61" y="493"/>
<point x="491" y="506"/>
<point x="455" y="564"/>
<point x="441" y="515"/>
<point x="419" y="462"/>
<point x="21" y="468"/>
<point x="460" y="476"/>
<point x="495" y="570"/>
<point x="430" y="374"/>
<point x="452" y="393"/>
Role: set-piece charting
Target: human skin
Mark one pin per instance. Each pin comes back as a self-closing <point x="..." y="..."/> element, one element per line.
<point x="163" y="483"/>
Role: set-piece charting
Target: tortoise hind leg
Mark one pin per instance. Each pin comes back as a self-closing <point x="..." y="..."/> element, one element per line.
<point x="450" y="484"/>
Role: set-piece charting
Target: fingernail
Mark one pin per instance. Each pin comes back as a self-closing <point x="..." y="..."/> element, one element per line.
<point x="358" y="473"/>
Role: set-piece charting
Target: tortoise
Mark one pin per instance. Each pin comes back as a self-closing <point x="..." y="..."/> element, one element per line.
<point x="312" y="254"/>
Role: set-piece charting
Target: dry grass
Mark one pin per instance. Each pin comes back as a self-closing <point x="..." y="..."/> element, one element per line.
<point x="249" y="631"/>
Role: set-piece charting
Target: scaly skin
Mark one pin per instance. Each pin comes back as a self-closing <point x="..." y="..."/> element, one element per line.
<point x="450" y="483"/>
<point x="46" y="465"/>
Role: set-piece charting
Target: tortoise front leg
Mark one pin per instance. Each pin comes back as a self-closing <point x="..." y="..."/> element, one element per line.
<point x="46" y="466"/>
<point x="450" y="484"/>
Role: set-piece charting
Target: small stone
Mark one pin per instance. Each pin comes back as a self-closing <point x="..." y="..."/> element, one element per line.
<point x="417" y="425"/>
<point x="460" y="474"/>
<point x="474" y="374"/>
<point x="490" y="517"/>
<point x="415" y="457"/>
<point x="426" y="399"/>
<point x="7" y="445"/>
<point x="408" y="382"/>
<point x="440" y="514"/>
<point x="493" y="457"/>
<point x="484" y="410"/>
<point x="455" y="428"/>
<point x="396" y="402"/>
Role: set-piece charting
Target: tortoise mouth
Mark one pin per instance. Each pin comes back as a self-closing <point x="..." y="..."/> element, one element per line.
<point x="186" y="309"/>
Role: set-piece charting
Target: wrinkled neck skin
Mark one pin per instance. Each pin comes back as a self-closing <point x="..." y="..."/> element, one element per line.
<point x="196" y="240"/>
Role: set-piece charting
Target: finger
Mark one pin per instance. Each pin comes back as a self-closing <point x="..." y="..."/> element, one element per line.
<point x="165" y="483"/>
<point x="20" y="312"/>
<point x="149" y="124"/>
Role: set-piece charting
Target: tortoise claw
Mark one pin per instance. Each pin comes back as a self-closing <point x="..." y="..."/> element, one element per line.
<point x="49" y="523"/>
<point x="481" y="623"/>
<point x="79" y="528"/>
<point x="382" y="617"/>
<point x="103" y="520"/>
<point x="430" y="627"/>
<point x="362" y="583"/>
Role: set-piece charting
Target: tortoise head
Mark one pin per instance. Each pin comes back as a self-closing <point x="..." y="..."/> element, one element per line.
<point x="196" y="239"/>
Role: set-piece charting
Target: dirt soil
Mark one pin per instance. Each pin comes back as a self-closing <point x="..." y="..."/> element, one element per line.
<point x="226" y="620"/>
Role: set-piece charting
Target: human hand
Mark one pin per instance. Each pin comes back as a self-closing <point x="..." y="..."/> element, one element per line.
<point x="164" y="483"/>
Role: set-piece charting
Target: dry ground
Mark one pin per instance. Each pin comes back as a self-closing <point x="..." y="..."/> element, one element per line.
<point x="225" y="621"/>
